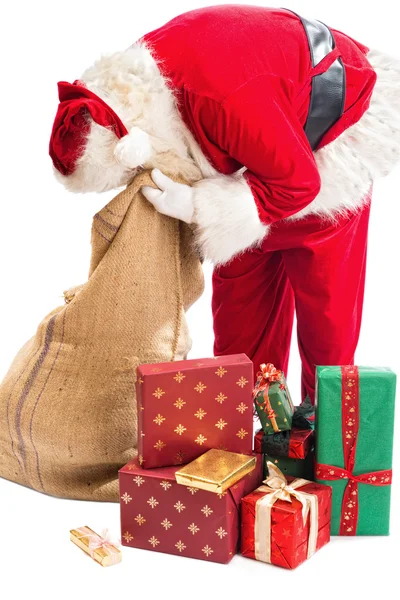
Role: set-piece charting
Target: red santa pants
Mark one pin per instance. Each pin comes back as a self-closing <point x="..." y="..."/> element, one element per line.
<point x="312" y="265"/>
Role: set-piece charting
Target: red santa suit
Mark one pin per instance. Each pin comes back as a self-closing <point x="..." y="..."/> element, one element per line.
<point x="242" y="78"/>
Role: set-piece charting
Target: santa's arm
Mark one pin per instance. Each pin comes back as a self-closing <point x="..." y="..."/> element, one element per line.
<point x="259" y="129"/>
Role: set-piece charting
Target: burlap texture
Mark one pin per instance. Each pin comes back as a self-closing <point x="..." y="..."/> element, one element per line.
<point x="67" y="404"/>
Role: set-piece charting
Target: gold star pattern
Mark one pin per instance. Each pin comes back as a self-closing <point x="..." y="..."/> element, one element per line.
<point x="242" y="433"/>
<point x="221" y="424"/>
<point x="179" y="377"/>
<point x="200" y="439"/>
<point x="126" y="498"/>
<point x="220" y="371"/>
<point x="192" y="490"/>
<point x="242" y="382"/>
<point x="180" y="429"/>
<point x="156" y="370"/>
<point x="200" y="387"/>
<point x="141" y="460"/>
<point x="221" y="495"/>
<point x="180" y="546"/>
<point x="166" y="524"/>
<point x="159" y="445"/>
<point x="132" y="467"/>
<point x="152" y="501"/>
<point x="159" y="420"/>
<point x="153" y="541"/>
<point x="200" y="414"/>
<point x="221" y="533"/>
<point x="158" y="393"/>
<point x="138" y="480"/>
<point x="128" y="537"/>
<point x="140" y="520"/>
<point x="242" y="407"/>
<point x="179" y="456"/>
<point x="207" y="550"/>
<point x="140" y="380"/>
<point x="165" y="485"/>
<point x="193" y="528"/>
<point x="221" y="398"/>
<point x="207" y="511"/>
<point x="179" y="403"/>
<point x="179" y="507"/>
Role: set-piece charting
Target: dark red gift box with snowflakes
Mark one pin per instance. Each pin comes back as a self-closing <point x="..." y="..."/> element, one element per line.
<point x="159" y="514"/>
<point x="187" y="407"/>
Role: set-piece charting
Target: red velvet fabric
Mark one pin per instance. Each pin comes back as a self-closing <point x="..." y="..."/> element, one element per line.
<point x="242" y="77"/>
<point x="70" y="125"/>
<point x="313" y="263"/>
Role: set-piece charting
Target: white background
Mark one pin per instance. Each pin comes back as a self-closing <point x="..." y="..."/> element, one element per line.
<point x="44" y="249"/>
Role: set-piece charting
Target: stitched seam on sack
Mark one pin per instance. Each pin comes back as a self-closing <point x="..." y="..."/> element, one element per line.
<point x="39" y="397"/>
<point x="101" y="235"/>
<point x="106" y="223"/>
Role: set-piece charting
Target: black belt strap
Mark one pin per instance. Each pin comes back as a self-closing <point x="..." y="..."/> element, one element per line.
<point x="328" y="90"/>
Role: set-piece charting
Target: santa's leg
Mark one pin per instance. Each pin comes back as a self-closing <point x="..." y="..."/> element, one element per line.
<point x="253" y="308"/>
<point x="327" y="273"/>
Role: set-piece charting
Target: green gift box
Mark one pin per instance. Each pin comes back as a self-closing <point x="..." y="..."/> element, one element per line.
<point x="302" y="468"/>
<point x="354" y="446"/>
<point x="272" y="400"/>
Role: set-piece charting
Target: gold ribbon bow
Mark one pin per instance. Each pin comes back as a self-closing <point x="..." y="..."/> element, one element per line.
<point x="277" y="488"/>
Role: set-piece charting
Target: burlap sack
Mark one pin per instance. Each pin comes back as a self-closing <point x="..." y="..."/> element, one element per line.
<point x="67" y="404"/>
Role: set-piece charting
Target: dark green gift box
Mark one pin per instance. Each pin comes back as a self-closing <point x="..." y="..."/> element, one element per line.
<point x="354" y="445"/>
<point x="302" y="468"/>
<point x="272" y="400"/>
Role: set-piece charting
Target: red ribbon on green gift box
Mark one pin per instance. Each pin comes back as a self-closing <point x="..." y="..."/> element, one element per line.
<point x="267" y="374"/>
<point x="350" y="427"/>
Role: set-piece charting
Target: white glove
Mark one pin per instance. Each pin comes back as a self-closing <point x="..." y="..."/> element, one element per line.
<point x="171" y="199"/>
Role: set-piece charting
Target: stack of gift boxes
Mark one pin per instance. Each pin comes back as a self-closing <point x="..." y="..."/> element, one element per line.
<point x="199" y="488"/>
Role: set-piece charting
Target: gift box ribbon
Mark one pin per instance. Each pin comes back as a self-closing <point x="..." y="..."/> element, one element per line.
<point x="101" y="541"/>
<point x="350" y="428"/>
<point x="277" y="488"/>
<point x="267" y="374"/>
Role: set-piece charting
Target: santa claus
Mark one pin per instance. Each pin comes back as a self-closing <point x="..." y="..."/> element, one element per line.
<point x="281" y="125"/>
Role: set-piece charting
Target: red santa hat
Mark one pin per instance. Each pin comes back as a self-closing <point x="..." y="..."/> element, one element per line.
<point x="71" y="126"/>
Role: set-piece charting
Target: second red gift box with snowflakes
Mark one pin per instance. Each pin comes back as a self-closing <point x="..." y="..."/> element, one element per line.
<point x="187" y="407"/>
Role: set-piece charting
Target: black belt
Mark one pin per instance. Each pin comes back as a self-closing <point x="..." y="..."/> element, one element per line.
<point x="328" y="89"/>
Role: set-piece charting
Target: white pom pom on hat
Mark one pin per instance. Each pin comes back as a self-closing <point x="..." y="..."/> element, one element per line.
<point x="133" y="149"/>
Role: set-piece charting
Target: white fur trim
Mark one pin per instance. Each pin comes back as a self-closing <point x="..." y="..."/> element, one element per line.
<point x="227" y="217"/>
<point x="368" y="150"/>
<point x="133" y="149"/>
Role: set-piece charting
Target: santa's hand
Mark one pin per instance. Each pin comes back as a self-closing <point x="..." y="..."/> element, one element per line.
<point x="172" y="199"/>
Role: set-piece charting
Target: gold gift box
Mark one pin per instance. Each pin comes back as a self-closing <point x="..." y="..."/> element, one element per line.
<point x="216" y="470"/>
<point x="107" y="554"/>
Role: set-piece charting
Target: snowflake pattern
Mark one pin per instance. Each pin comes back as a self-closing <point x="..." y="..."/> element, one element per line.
<point x="180" y="429"/>
<point x="221" y="424"/>
<point x="153" y="541"/>
<point x="220" y="371"/>
<point x="180" y="546"/>
<point x="166" y="524"/>
<point x="158" y="393"/>
<point x="179" y="377"/>
<point x="193" y="528"/>
<point x="207" y="511"/>
<point x="159" y="445"/>
<point x="126" y="498"/>
<point x="165" y="485"/>
<point x="179" y="507"/>
<point x="200" y="387"/>
<point x="242" y="433"/>
<point x="200" y="439"/>
<point x="138" y="480"/>
<point x="179" y="403"/>
<point x="221" y="495"/>
<point x="207" y="550"/>
<point x="153" y="502"/>
<point x="242" y="407"/>
<point x="128" y="537"/>
<point x="242" y="382"/>
<point x="179" y="456"/>
<point x="140" y="520"/>
<point x="159" y="420"/>
<point x="200" y="414"/>
<point x="132" y="467"/>
<point x="221" y="398"/>
<point x="221" y="533"/>
<point x="192" y="490"/>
